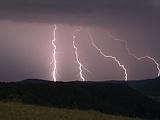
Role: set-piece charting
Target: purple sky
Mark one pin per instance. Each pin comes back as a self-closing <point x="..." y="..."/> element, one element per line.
<point x="26" y="32"/>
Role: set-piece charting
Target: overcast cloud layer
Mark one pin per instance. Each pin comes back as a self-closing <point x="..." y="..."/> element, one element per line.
<point x="83" y="12"/>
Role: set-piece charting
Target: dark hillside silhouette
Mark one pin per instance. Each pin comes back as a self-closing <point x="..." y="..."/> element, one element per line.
<point x="149" y="87"/>
<point x="110" y="98"/>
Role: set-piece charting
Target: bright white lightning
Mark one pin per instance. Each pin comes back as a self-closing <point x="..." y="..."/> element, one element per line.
<point x="138" y="58"/>
<point x="54" y="54"/>
<point x="108" y="56"/>
<point x="77" y="57"/>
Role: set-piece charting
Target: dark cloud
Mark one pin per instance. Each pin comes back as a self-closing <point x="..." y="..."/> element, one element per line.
<point x="84" y="12"/>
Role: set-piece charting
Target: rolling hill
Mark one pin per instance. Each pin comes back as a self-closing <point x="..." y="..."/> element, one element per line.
<point x="110" y="98"/>
<point x="149" y="87"/>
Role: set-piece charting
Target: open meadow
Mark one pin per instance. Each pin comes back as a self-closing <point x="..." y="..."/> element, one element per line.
<point x="18" y="111"/>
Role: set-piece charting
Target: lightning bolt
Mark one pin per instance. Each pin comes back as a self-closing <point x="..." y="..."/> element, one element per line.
<point x="54" y="54"/>
<point x="108" y="56"/>
<point x="131" y="54"/>
<point x="77" y="57"/>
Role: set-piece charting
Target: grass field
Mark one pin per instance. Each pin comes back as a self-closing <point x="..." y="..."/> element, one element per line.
<point x="18" y="111"/>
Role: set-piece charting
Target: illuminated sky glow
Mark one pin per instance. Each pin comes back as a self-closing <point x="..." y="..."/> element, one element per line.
<point x="76" y="53"/>
<point x="28" y="36"/>
<point x="138" y="58"/>
<point x="108" y="56"/>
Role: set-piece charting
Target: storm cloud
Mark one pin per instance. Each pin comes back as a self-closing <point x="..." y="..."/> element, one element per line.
<point x="82" y="12"/>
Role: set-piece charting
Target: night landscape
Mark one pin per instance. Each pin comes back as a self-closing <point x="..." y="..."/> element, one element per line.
<point x="88" y="59"/>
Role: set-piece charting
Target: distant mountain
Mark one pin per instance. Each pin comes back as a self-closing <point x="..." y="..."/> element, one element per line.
<point x="110" y="98"/>
<point x="34" y="81"/>
<point x="149" y="87"/>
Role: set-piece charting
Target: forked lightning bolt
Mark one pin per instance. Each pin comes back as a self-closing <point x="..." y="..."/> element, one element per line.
<point x="108" y="56"/>
<point x="138" y="58"/>
<point x="54" y="54"/>
<point x="77" y="57"/>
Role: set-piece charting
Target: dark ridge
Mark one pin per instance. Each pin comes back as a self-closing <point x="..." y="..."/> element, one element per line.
<point x="105" y="97"/>
<point x="35" y="81"/>
<point x="149" y="87"/>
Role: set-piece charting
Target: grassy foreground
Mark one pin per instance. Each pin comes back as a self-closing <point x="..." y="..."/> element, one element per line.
<point x="18" y="111"/>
